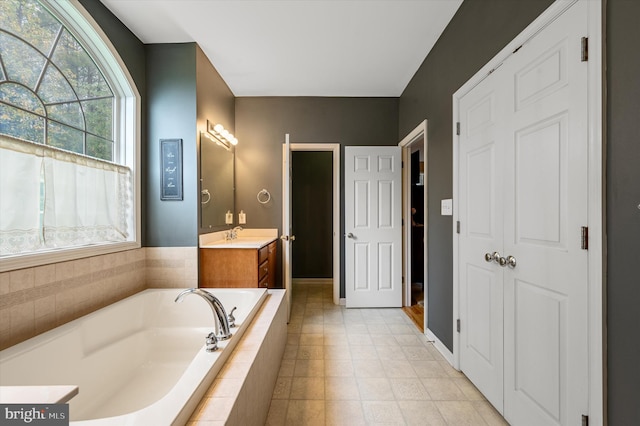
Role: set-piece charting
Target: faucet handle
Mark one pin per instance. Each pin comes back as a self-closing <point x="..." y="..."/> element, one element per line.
<point x="231" y="318"/>
<point x="211" y="342"/>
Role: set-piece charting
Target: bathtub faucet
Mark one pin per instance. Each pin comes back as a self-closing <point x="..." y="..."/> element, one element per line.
<point x="221" y="321"/>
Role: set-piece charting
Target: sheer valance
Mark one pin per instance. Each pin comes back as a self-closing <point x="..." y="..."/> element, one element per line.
<point x="53" y="198"/>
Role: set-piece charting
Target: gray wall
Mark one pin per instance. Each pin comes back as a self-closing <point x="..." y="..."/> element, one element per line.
<point x="623" y="211"/>
<point x="478" y="31"/>
<point x="183" y="91"/>
<point x="261" y="124"/>
<point x="171" y="114"/>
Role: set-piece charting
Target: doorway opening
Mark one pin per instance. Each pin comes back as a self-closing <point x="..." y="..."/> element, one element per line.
<point x="315" y="198"/>
<point x="414" y="183"/>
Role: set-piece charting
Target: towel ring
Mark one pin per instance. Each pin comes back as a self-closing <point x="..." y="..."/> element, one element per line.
<point x="263" y="196"/>
<point x="208" y="195"/>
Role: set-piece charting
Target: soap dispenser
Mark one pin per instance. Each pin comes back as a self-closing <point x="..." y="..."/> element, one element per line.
<point x="228" y="218"/>
<point x="242" y="218"/>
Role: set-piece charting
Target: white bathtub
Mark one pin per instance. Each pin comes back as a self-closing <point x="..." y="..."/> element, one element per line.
<point x="140" y="361"/>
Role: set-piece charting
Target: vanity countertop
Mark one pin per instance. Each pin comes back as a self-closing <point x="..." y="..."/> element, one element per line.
<point x="246" y="239"/>
<point x="240" y="242"/>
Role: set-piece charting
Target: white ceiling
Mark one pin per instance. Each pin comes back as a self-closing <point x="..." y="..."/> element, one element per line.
<point x="299" y="47"/>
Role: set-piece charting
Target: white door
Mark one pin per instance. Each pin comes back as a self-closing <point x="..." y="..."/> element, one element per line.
<point x="286" y="236"/>
<point x="373" y="226"/>
<point x="523" y="194"/>
<point x="545" y="187"/>
<point x="481" y="158"/>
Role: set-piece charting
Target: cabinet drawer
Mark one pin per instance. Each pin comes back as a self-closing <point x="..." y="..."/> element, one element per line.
<point x="263" y="270"/>
<point x="264" y="283"/>
<point x="263" y="254"/>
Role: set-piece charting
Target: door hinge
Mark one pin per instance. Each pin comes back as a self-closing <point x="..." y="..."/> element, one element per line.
<point x="585" y="49"/>
<point x="402" y="280"/>
<point x="584" y="238"/>
<point x="585" y="420"/>
<point x="458" y="325"/>
<point x="402" y="164"/>
<point x="458" y="227"/>
<point x="458" y="128"/>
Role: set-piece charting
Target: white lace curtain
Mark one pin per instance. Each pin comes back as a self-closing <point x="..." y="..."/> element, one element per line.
<point x="84" y="200"/>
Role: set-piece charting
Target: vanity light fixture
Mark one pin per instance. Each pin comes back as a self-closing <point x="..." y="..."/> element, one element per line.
<point x="221" y="134"/>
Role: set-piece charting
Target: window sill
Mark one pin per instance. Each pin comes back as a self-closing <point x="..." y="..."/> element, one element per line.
<point x="30" y="260"/>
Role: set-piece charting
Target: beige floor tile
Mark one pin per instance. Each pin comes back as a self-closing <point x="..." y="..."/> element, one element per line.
<point x="421" y="413"/>
<point x="375" y="389"/>
<point x="337" y="352"/>
<point x="470" y="391"/>
<point x="409" y="389"/>
<point x="308" y="339"/>
<point x="310" y="352"/>
<point x="277" y="412"/>
<point x="307" y="413"/>
<point x="417" y="353"/>
<point x="360" y="339"/>
<point x="368" y="368"/>
<point x="489" y="413"/>
<point x="441" y="389"/>
<point x="309" y="368"/>
<point x="341" y="388"/>
<point x="460" y="413"/>
<point x="363" y="352"/>
<point x="392" y="352"/>
<point x="400" y="368"/>
<point x="287" y="366"/>
<point x="338" y="368"/>
<point x="382" y="412"/>
<point x="347" y="413"/>
<point x="428" y="369"/>
<point x="282" y="388"/>
<point x="307" y="388"/>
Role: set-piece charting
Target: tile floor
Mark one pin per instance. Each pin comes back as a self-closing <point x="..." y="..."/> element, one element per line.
<point x="367" y="367"/>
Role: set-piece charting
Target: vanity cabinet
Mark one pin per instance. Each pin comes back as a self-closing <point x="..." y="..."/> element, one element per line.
<point x="238" y="267"/>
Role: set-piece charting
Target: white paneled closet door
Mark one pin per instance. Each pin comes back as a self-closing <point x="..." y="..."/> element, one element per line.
<point x="523" y="195"/>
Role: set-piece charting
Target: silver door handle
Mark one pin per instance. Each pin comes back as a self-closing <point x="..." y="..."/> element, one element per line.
<point x="350" y="235"/>
<point x="488" y="257"/>
<point x="284" y="238"/>
<point x="511" y="261"/>
<point x="292" y="238"/>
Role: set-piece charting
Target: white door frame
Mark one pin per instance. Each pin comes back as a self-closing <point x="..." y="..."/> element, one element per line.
<point x="596" y="206"/>
<point x="415" y="137"/>
<point x="335" y="149"/>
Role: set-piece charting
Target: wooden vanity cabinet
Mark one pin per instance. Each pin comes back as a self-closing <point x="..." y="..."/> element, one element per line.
<point x="238" y="267"/>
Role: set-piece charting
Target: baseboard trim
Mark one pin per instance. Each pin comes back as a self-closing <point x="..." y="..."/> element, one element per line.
<point x="309" y="281"/>
<point x="343" y="301"/>
<point x="446" y="353"/>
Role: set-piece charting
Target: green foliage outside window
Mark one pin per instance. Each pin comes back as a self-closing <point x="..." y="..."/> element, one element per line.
<point x="51" y="91"/>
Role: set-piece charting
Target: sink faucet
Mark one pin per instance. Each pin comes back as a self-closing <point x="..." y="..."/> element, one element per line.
<point x="232" y="234"/>
<point x="221" y="321"/>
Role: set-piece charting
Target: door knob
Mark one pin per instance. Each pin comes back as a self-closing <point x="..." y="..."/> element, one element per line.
<point x="488" y="257"/>
<point x="511" y="261"/>
<point x="292" y="238"/>
<point x="350" y="235"/>
<point x="502" y="261"/>
<point x="284" y="238"/>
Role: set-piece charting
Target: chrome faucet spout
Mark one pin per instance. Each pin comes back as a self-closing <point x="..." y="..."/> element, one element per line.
<point x="221" y="321"/>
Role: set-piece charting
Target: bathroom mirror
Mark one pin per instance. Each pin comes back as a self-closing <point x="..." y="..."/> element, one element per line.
<point x="216" y="183"/>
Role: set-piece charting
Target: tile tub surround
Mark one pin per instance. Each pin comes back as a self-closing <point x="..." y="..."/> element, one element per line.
<point x="241" y="393"/>
<point x="35" y="300"/>
<point x="367" y="366"/>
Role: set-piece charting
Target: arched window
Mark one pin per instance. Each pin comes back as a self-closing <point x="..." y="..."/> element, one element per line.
<point x="68" y="138"/>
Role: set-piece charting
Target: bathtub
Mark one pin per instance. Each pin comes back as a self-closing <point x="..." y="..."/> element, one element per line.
<point x="140" y="361"/>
